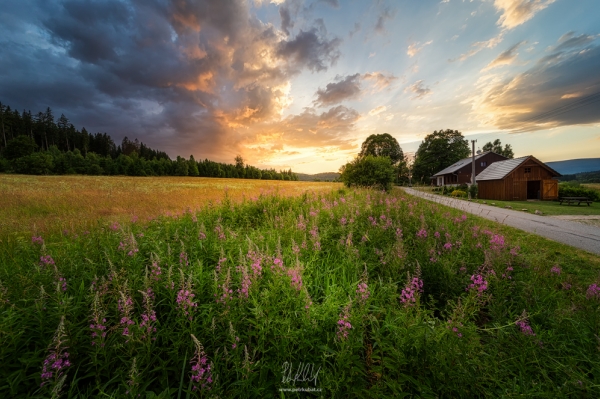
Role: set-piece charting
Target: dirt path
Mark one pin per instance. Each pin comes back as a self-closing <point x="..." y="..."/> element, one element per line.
<point x="582" y="236"/>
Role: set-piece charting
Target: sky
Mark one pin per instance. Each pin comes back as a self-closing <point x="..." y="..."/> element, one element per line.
<point x="301" y="84"/>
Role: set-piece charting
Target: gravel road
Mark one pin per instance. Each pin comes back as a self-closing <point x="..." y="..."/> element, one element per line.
<point x="571" y="233"/>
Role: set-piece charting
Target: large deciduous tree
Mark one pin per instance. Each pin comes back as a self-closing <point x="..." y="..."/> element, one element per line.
<point x="439" y="150"/>
<point x="382" y="145"/>
<point x="496" y="147"/>
<point x="369" y="171"/>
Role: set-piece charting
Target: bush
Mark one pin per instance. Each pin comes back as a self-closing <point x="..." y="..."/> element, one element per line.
<point x="37" y="163"/>
<point x="458" y="193"/>
<point x="473" y="190"/>
<point x="369" y="171"/>
<point x="571" y="190"/>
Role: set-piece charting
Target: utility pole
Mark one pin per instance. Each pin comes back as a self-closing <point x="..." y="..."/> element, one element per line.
<point x="473" y="155"/>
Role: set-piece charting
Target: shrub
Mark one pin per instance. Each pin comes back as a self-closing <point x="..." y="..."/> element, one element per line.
<point x="570" y="190"/>
<point x="473" y="190"/>
<point x="458" y="193"/>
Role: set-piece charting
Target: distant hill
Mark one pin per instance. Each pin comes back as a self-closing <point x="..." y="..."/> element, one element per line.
<point x="573" y="166"/>
<point x="327" y="176"/>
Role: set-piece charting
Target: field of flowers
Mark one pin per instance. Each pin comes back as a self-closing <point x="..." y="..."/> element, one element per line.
<point x="344" y="294"/>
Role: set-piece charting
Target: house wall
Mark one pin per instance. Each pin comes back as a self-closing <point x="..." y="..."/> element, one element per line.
<point x="514" y="186"/>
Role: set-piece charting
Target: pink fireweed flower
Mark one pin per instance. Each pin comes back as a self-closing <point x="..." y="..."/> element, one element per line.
<point x="479" y="284"/>
<point x="448" y="246"/>
<point x="37" y="240"/>
<point x="362" y="292"/>
<point x="63" y="284"/>
<point x="296" y="279"/>
<point x="343" y="221"/>
<point x="314" y="232"/>
<point x="46" y="260"/>
<point x="201" y="236"/>
<point x="155" y="271"/>
<point x="183" y="259"/>
<point x="115" y="226"/>
<point x="220" y="232"/>
<point x="593" y="291"/>
<point x="556" y="270"/>
<point x="523" y="324"/>
<point x="497" y="242"/>
<point x="343" y="324"/>
<point x="220" y="264"/>
<point x="515" y="250"/>
<point x="436" y="234"/>
<point x="255" y="263"/>
<point x="301" y="223"/>
<point x="226" y="296"/>
<point x="98" y="322"/>
<point x="422" y="233"/>
<point x="57" y="361"/>
<point x="149" y="316"/>
<point x="185" y="302"/>
<point x="413" y="288"/>
<point x="246" y="282"/>
<point x="201" y="370"/>
<point x="399" y="233"/>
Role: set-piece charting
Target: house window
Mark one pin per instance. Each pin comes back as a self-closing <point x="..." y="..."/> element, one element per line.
<point x="527" y="170"/>
<point x="483" y="163"/>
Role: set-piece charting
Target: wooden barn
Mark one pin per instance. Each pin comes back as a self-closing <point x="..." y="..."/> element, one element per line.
<point x="518" y="179"/>
<point x="460" y="172"/>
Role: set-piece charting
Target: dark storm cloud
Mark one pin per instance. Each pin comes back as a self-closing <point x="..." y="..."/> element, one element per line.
<point x="312" y="50"/>
<point x="180" y="75"/>
<point x="549" y="94"/>
<point x="344" y="89"/>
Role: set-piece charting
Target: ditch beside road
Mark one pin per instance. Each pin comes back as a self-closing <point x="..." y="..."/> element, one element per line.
<point x="578" y="235"/>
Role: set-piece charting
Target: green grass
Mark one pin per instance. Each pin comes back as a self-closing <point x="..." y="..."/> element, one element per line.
<point x="548" y="207"/>
<point x="273" y="282"/>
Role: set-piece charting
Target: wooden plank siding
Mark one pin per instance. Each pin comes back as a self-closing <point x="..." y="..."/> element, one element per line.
<point x="515" y="185"/>
<point x="463" y="175"/>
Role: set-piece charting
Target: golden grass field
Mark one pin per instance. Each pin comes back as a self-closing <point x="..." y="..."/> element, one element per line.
<point x="43" y="204"/>
<point x="595" y="186"/>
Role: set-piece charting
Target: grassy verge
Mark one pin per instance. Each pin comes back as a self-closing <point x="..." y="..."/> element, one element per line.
<point x="349" y="294"/>
<point x="547" y="207"/>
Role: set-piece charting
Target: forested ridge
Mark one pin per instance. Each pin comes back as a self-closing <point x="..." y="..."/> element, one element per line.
<point x="39" y="144"/>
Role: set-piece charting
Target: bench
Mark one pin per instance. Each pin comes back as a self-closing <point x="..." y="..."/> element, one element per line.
<point x="573" y="200"/>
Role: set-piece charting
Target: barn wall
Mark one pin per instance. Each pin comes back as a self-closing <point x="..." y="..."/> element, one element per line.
<point x="514" y="186"/>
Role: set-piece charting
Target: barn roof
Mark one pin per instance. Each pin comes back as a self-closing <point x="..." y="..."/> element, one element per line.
<point x="499" y="170"/>
<point x="460" y="164"/>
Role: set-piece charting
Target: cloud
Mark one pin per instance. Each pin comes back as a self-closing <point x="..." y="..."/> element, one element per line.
<point x="478" y="46"/>
<point x="312" y="50"/>
<point x="550" y="94"/>
<point x="517" y="12"/>
<point x="419" y="89"/>
<point x="507" y="57"/>
<point x="183" y="76"/>
<point x="378" y="110"/>
<point x="355" y="30"/>
<point x="380" y="80"/>
<point x="344" y="89"/>
<point x="569" y="41"/>
<point x="414" y="48"/>
<point x="385" y="15"/>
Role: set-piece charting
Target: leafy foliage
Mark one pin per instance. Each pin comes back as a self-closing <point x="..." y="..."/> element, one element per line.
<point x="382" y="145"/>
<point x="438" y="151"/>
<point x="496" y="147"/>
<point x="369" y="171"/>
<point x="573" y="190"/>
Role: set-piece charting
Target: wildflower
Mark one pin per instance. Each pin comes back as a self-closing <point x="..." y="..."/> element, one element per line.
<point x="155" y="271"/>
<point x="201" y="369"/>
<point x="201" y="236"/>
<point x="125" y="306"/>
<point x="422" y="233"/>
<point x="523" y="324"/>
<point x="399" y="233"/>
<point x="149" y="315"/>
<point x="409" y="294"/>
<point x="226" y="296"/>
<point x="55" y="364"/>
<point x="115" y="226"/>
<point x="436" y="234"/>
<point x="98" y="324"/>
<point x="220" y="232"/>
<point x="62" y="282"/>
<point x="344" y="325"/>
<point x="448" y="246"/>
<point x="46" y="260"/>
<point x="593" y="291"/>
<point x="296" y="278"/>
<point x="343" y="221"/>
<point x="185" y="301"/>
<point x="37" y="240"/>
<point x="362" y="291"/>
<point x="245" y="284"/>
<point x="556" y="270"/>
<point x="515" y="251"/>
<point x="183" y="259"/>
<point x="497" y="242"/>
<point x="479" y="284"/>
<point x="301" y="223"/>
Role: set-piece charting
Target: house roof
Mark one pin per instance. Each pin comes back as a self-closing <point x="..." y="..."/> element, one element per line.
<point x="460" y="164"/>
<point x="499" y="170"/>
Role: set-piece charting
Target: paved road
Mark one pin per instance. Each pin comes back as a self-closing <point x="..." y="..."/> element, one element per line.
<point x="571" y="233"/>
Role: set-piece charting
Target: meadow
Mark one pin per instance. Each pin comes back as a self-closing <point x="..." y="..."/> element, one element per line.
<point x="42" y="204"/>
<point x="344" y="293"/>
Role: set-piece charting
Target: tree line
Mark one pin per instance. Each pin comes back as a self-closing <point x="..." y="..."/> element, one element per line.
<point x="381" y="161"/>
<point x="37" y="144"/>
